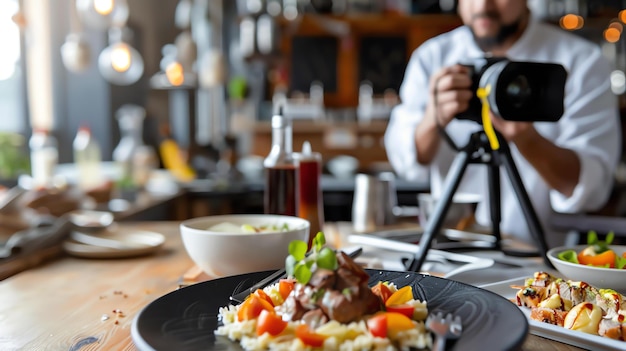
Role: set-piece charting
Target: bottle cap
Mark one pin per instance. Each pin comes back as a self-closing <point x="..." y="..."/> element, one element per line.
<point x="278" y="121"/>
<point x="306" y="148"/>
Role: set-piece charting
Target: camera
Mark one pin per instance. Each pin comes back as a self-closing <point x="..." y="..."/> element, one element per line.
<point x="520" y="91"/>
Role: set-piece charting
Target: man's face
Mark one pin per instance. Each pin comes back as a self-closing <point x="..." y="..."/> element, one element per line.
<point x="492" y="21"/>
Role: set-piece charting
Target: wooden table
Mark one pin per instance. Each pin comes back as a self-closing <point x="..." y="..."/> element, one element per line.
<point x="89" y="304"/>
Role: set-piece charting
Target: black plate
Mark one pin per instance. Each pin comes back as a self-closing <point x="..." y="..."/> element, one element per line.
<point x="186" y="318"/>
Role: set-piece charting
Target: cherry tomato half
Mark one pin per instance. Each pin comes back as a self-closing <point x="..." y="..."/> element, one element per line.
<point x="251" y="308"/>
<point x="382" y="291"/>
<point x="309" y="337"/>
<point x="270" y="322"/>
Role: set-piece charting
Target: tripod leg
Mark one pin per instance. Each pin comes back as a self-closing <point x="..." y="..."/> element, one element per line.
<point x="527" y="207"/>
<point x="495" y="205"/>
<point x="453" y="179"/>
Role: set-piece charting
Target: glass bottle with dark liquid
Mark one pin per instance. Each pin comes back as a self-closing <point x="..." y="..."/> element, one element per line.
<point x="281" y="171"/>
<point x="311" y="205"/>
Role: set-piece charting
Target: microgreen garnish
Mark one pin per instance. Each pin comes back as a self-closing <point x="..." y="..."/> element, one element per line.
<point x="599" y="246"/>
<point x="301" y="266"/>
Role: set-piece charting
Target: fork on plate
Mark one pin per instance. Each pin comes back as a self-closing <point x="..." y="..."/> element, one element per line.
<point x="444" y="328"/>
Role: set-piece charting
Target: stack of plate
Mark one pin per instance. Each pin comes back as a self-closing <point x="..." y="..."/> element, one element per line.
<point x="96" y="235"/>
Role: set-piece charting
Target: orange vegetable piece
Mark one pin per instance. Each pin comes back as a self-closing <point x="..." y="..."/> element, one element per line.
<point x="388" y="324"/>
<point x="397" y="322"/>
<point x="402" y="296"/>
<point x="382" y="291"/>
<point x="270" y="322"/>
<point x="607" y="258"/>
<point x="309" y="337"/>
<point x="285" y="287"/>
<point x="264" y="296"/>
<point x="251" y="308"/>
<point x="404" y="309"/>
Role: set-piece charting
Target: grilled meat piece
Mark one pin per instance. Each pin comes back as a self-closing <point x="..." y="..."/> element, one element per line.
<point x="323" y="279"/>
<point x="342" y="295"/>
<point x="613" y="329"/>
<point x="548" y="315"/>
<point x="349" y="304"/>
<point x="315" y="318"/>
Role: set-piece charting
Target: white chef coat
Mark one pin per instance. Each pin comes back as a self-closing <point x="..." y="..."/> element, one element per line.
<point x="590" y="126"/>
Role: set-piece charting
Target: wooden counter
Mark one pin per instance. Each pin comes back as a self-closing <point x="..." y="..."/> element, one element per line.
<point x="61" y="305"/>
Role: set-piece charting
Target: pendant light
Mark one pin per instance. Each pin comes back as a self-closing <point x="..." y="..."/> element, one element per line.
<point x="102" y="14"/>
<point x="75" y="52"/>
<point x="119" y="63"/>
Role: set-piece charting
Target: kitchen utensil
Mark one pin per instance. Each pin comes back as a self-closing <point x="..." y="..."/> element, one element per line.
<point x="31" y="239"/>
<point x="444" y="328"/>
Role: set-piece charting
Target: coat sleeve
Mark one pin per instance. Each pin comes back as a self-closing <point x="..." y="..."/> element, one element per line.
<point x="399" y="137"/>
<point x="591" y="128"/>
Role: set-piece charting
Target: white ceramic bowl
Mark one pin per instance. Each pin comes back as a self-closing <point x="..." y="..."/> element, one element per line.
<point x="222" y="254"/>
<point x="606" y="278"/>
<point x="343" y="166"/>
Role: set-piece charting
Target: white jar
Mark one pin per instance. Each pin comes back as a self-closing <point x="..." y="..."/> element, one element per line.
<point x="44" y="157"/>
<point x="87" y="158"/>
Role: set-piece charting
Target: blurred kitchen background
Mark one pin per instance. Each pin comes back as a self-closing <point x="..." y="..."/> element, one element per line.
<point x="192" y="84"/>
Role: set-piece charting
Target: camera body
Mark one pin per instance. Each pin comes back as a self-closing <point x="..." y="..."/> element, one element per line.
<point x="520" y="91"/>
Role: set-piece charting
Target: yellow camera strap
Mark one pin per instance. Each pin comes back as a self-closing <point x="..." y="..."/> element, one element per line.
<point x="482" y="94"/>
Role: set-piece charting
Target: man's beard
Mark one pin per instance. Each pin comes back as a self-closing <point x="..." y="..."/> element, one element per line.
<point x="506" y="31"/>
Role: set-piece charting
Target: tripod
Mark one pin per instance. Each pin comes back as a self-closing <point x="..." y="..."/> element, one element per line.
<point x="478" y="150"/>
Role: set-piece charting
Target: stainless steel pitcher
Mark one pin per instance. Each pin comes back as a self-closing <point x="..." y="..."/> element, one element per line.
<point x="374" y="200"/>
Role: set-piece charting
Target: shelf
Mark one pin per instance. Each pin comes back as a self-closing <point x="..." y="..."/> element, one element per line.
<point x="343" y="51"/>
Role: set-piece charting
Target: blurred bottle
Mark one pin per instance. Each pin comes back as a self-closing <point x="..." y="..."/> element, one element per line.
<point x="44" y="157"/>
<point x="130" y="118"/>
<point x="281" y="171"/>
<point x="88" y="158"/>
<point x="311" y="205"/>
<point x="145" y="161"/>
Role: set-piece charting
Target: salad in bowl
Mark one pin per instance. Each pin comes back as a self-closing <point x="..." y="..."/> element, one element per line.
<point x="598" y="263"/>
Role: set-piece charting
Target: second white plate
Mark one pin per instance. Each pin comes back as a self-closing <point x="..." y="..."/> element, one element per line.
<point x="114" y="243"/>
<point x="554" y="332"/>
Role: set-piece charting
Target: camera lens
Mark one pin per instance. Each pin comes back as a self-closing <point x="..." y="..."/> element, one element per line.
<point x="518" y="91"/>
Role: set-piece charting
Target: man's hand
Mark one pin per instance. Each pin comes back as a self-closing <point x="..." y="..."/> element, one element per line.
<point x="513" y="131"/>
<point x="559" y="167"/>
<point x="450" y="93"/>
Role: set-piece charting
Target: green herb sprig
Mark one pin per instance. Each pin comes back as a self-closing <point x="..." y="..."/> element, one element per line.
<point x="599" y="246"/>
<point x="301" y="264"/>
